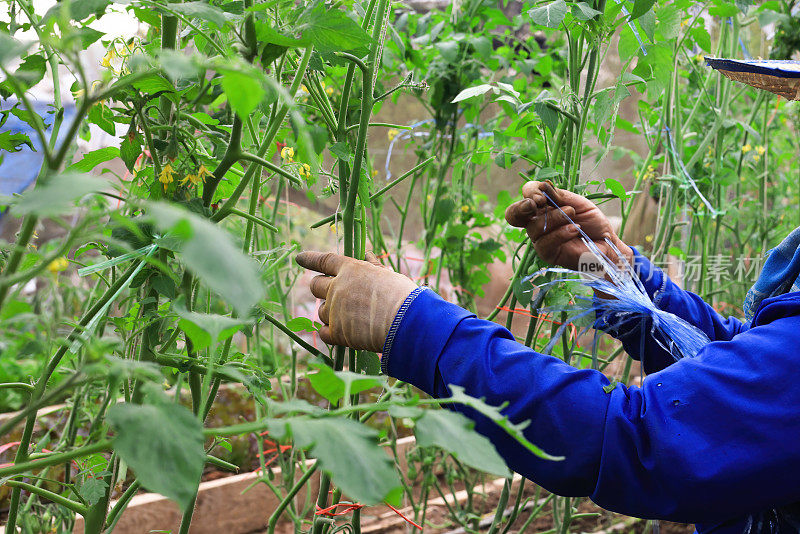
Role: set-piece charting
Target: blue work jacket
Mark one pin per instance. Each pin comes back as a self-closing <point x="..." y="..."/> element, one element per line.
<point x="712" y="440"/>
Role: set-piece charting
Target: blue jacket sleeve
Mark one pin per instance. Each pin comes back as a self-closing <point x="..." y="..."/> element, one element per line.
<point x="706" y="439"/>
<point x="636" y="335"/>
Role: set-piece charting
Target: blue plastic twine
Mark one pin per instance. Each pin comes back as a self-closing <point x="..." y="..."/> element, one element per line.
<point x="629" y="301"/>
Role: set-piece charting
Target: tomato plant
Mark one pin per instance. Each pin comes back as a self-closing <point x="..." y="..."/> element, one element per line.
<point x="167" y="272"/>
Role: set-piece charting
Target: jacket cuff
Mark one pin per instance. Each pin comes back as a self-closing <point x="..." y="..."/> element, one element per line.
<point x="418" y="335"/>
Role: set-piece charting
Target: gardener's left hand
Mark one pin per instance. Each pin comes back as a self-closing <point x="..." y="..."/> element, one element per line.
<point x="361" y="298"/>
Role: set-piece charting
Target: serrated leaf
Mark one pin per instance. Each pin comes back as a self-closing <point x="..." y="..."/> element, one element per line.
<point x="617" y="189"/>
<point x="349" y="451"/>
<point x="333" y="385"/>
<point x="300" y="324"/>
<point x="207" y="329"/>
<point x="92" y="490"/>
<point x="210" y="253"/>
<point x="12" y="142"/>
<point x="640" y="7"/>
<point x="453" y="433"/>
<point x="58" y="195"/>
<point x="341" y="150"/>
<point x="94" y="158"/>
<point x="471" y="92"/>
<point x="550" y="15"/>
<point x="130" y="149"/>
<point x="333" y="31"/>
<point x="10" y="48"/>
<point x="244" y="91"/>
<point x="548" y="115"/>
<point x="201" y="10"/>
<point x="152" y="84"/>
<point x="163" y="444"/>
<point x="494" y="414"/>
<point x="78" y="9"/>
<point x="583" y="11"/>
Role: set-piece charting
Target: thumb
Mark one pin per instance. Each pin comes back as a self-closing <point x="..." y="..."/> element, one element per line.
<point x="373" y="259"/>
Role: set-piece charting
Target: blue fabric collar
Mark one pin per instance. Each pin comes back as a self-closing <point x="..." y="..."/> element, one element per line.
<point x="781" y="274"/>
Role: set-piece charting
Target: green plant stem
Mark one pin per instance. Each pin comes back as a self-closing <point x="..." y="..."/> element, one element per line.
<point x="400" y="178"/>
<point x="367" y="96"/>
<point x="225" y="209"/>
<point x="69" y="504"/>
<point x="116" y="512"/>
<point x="287" y="499"/>
<point x="54" y="458"/>
<point x="41" y="385"/>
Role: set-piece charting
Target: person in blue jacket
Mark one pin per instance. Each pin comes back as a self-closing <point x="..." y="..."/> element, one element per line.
<point x="712" y="440"/>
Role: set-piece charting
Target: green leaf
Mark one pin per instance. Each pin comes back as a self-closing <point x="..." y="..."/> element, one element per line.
<point x="640" y="7"/>
<point x="152" y="84"/>
<point x="94" y="158"/>
<point x="10" y="48"/>
<point x="207" y="329"/>
<point x="724" y="9"/>
<point x="333" y="385"/>
<point x="177" y="65"/>
<point x="493" y="413"/>
<point x="550" y="15"/>
<point x="12" y="142"/>
<point x="92" y="490"/>
<point x="548" y="115"/>
<point x="163" y="444"/>
<point x="471" y="92"/>
<point x="103" y="117"/>
<point x="617" y="189"/>
<point x="341" y="150"/>
<point x="349" y="452"/>
<point x="130" y="149"/>
<point x="449" y="50"/>
<point x="201" y="10"/>
<point x="78" y="9"/>
<point x="583" y="11"/>
<point x="701" y="37"/>
<point x="333" y="31"/>
<point x="453" y="433"/>
<point x="244" y="91"/>
<point x="210" y="253"/>
<point x="301" y="324"/>
<point x="58" y="195"/>
<point x="271" y="52"/>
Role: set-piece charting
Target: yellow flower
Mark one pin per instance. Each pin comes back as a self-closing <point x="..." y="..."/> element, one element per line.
<point x="746" y="148"/>
<point x="106" y="61"/>
<point x="756" y="157"/>
<point x="391" y="134"/>
<point x="329" y="90"/>
<point x="166" y="175"/>
<point x="305" y="170"/>
<point x="195" y="179"/>
<point x="760" y="149"/>
<point x="465" y="208"/>
<point x="287" y="154"/>
<point x="58" y="265"/>
<point x="649" y="238"/>
<point x="374" y="173"/>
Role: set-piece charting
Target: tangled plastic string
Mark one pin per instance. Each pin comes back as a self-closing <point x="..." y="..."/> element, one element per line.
<point x="626" y="300"/>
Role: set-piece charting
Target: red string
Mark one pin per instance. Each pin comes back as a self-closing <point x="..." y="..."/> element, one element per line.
<point x="398" y="512"/>
<point x="333" y="511"/>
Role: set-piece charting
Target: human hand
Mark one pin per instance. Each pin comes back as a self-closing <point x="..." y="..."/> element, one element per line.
<point x="555" y="239"/>
<point x="361" y="298"/>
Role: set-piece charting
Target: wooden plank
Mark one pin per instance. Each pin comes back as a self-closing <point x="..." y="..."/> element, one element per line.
<point x="223" y="506"/>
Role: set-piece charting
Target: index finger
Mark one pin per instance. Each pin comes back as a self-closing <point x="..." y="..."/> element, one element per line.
<point x="536" y="191"/>
<point x="322" y="262"/>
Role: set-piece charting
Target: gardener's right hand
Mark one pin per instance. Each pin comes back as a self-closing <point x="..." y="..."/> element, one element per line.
<point x="555" y="239"/>
<point x="361" y="298"/>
